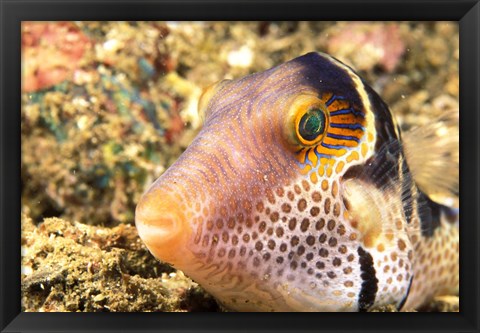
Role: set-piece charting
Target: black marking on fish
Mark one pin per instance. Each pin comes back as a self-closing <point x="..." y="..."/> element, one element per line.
<point x="381" y="170"/>
<point x="384" y="124"/>
<point x="322" y="75"/>
<point x="407" y="197"/>
<point x="404" y="300"/>
<point x="429" y="214"/>
<point x="368" y="291"/>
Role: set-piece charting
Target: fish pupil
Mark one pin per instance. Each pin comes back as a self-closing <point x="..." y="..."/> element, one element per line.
<point x="312" y="124"/>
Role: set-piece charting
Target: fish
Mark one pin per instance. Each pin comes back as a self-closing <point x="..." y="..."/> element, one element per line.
<point x="302" y="193"/>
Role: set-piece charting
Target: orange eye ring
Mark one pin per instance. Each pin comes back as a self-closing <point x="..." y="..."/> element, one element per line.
<point x="309" y="116"/>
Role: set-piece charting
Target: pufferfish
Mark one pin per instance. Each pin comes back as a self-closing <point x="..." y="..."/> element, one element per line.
<point x="301" y="193"/>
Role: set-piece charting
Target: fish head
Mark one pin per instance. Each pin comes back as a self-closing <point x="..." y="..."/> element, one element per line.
<point x="255" y="209"/>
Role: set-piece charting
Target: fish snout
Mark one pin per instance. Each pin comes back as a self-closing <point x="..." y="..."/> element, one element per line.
<point x="163" y="226"/>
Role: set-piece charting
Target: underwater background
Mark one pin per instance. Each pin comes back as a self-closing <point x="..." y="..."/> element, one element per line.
<point x="107" y="107"/>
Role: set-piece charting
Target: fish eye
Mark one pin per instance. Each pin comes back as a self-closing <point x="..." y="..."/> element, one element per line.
<point x="308" y="118"/>
<point x="311" y="125"/>
<point x="306" y="121"/>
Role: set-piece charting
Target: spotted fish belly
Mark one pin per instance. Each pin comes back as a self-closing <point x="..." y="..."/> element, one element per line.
<point x="296" y="195"/>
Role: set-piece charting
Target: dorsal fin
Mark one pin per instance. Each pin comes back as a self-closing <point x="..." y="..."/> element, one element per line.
<point x="432" y="153"/>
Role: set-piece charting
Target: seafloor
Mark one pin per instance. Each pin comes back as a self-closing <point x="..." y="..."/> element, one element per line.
<point x="108" y="106"/>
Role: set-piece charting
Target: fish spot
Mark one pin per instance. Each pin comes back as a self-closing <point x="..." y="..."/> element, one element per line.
<point x="336" y="209"/>
<point x="301" y="250"/>
<point x="323" y="253"/>
<point x="280" y="192"/>
<point x="209" y="225"/>
<point x="336" y="262"/>
<point x="221" y="252"/>
<point x="314" y="211"/>
<point x="279" y="232"/>
<point x="353" y="156"/>
<point x="290" y="195"/>
<point x="205" y="240"/>
<point x="247" y="206"/>
<point x="324" y="185"/>
<point x="297" y="189"/>
<point x="364" y="149"/>
<point x="331" y="225"/>
<point x="286" y="208"/>
<point x="339" y="167"/>
<point x="327" y="206"/>
<point x="274" y="217"/>
<point x="223" y="211"/>
<point x="310" y="240"/>
<point x="332" y="242"/>
<point x="394" y="256"/>
<point x="292" y="223"/>
<point x="262" y="226"/>
<point x="302" y="204"/>
<point x="225" y="237"/>
<point x="320" y="265"/>
<point x="316" y="196"/>
<point x="270" y="196"/>
<point x="320" y="224"/>
<point x="305" y="185"/>
<point x="322" y="238"/>
<point x="334" y="189"/>
<point x="294" y="241"/>
<point x="342" y="249"/>
<point x="304" y="225"/>
<point x="259" y="206"/>
<point x="271" y="244"/>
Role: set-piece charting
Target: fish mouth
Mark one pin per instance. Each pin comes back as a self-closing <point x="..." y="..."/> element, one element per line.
<point x="163" y="226"/>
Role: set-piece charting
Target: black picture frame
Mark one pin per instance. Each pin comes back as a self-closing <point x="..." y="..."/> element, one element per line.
<point x="13" y="12"/>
